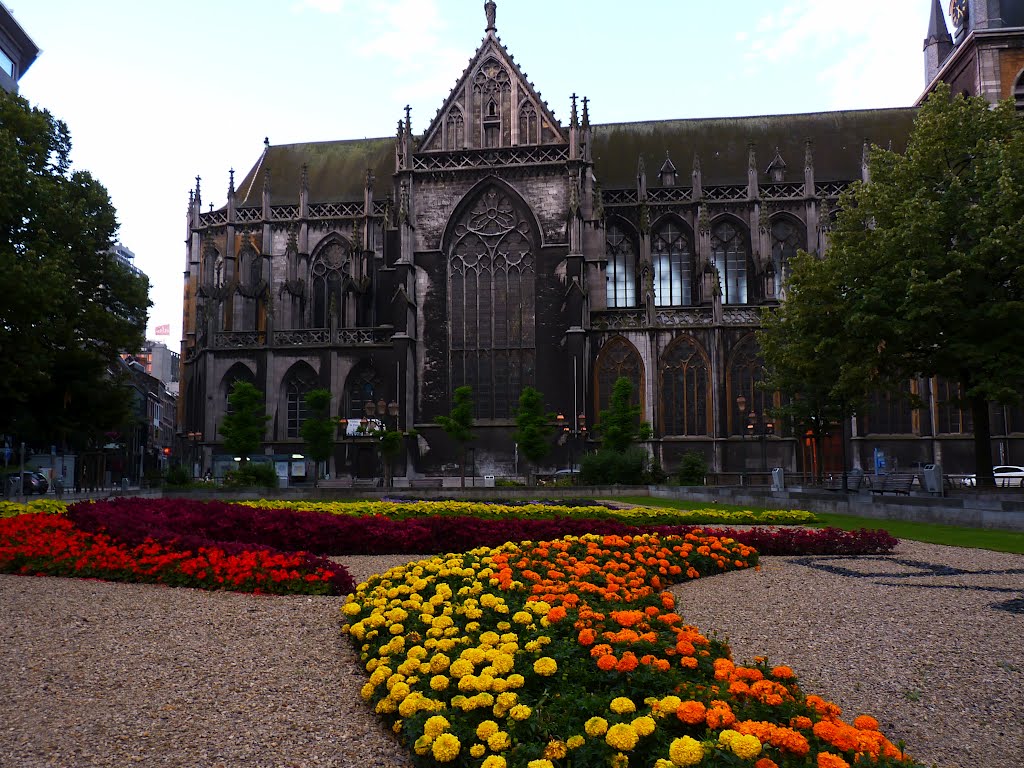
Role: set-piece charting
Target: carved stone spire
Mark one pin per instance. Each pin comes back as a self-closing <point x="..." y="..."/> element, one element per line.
<point x="491" y="9"/>
<point x="938" y="44"/>
<point x="231" y="181"/>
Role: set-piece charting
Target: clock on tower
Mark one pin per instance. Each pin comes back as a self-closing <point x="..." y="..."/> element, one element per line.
<point x="958" y="13"/>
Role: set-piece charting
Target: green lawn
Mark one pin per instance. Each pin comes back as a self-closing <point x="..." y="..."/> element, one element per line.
<point x="977" y="538"/>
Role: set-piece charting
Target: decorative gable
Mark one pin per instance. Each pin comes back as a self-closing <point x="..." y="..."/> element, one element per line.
<point x="492" y="105"/>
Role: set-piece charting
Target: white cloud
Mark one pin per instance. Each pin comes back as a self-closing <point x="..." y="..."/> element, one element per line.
<point x="324" y="6"/>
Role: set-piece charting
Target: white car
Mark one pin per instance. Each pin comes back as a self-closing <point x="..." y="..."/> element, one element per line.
<point x="1006" y="477"/>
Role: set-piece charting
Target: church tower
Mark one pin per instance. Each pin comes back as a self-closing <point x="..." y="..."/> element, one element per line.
<point x="985" y="55"/>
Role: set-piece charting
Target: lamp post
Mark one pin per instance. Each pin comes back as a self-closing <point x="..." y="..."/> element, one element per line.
<point x="570" y="435"/>
<point x="195" y="438"/>
<point x="380" y="409"/>
<point x="759" y="426"/>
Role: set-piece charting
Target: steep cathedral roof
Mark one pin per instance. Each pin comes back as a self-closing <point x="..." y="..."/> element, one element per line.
<point x="336" y="170"/>
<point x="721" y="144"/>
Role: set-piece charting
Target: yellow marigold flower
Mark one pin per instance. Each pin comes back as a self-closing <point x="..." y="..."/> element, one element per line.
<point x="663" y="763"/>
<point x="520" y="712"/>
<point x="621" y="705"/>
<point x="596" y="726"/>
<point x="546" y="666"/>
<point x="522" y="617"/>
<point x="539" y="607"/>
<point x="446" y="747"/>
<point x="555" y="750"/>
<point x="351" y="609"/>
<point x="644" y="725"/>
<point x="485" y="729"/>
<point x="438" y="683"/>
<point x="746" y="747"/>
<point x="686" y="751"/>
<point x="726" y="736"/>
<point x="397" y="726"/>
<point x="668" y="705"/>
<point x="435" y="726"/>
<point x="540" y="764"/>
<point x="367" y="691"/>
<point x="493" y="761"/>
<point x="498" y="741"/>
<point x="622" y="737"/>
<point x="477" y="750"/>
<point x="516" y="681"/>
<point x="461" y="668"/>
<point x="422" y="745"/>
<point x="619" y="761"/>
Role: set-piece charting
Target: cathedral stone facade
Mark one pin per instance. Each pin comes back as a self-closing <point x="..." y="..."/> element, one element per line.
<point x="501" y="249"/>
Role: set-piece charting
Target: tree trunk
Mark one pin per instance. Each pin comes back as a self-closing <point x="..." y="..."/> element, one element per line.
<point x="982" y="443"/>
<point x="462" y="469"/>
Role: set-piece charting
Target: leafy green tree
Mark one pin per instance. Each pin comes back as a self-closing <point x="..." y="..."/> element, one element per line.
<point x="318" y="429"/>
<point x="68" y="308"/>
<point x="533" y="429"/>
<point x="246" y="422"/>
<point x="619" y="425"/>
<point x="391" y="444"/>
<point x="927" y="259"/>
<point x="804" y="345"/>
<point x="458" y="424"/>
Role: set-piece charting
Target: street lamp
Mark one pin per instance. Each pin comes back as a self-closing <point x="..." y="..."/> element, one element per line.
<point x="570" y="435"/>
<point x="759" y="426"/>
<point x="380" y="409"/>
<point x="195" y="438"/>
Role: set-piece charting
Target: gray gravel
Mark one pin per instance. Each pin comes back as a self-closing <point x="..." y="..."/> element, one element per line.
<point x="98" y="674"/>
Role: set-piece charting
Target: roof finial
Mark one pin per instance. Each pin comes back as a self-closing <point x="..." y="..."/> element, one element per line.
<point x="491" y="9"/>
<point x="231" y="181"/>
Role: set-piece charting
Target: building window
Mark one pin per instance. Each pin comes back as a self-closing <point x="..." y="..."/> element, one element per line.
<point x="6" y="65"/>
<point x="953" y="415"/>
<point x="685" y="393"/>
<point x="455" y="130"/>
<point x="618" y="359"/>
<point x="746" y="371"/>
<point x="328" y="276"/>
<point x="621" y="269"/>
<point x="492" y="304"/>
<point x="297" y="412"/>
<point x="1018" y="93"/>
<point x="673" y="266"/>
<point x="889" y="413"/>
<point x="528" y="124"/>
<point x="788" y="237"/>
<point x="729" y="254"/>
<point x="363" y="387"/>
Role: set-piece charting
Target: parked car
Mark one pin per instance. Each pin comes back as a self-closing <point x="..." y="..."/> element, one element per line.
<point x="34" y="482"/>
<point x="1006" y="476"/>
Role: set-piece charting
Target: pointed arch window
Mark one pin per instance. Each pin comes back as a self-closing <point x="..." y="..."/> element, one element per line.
<point x="788" y="236"/>
<point x="953" y="414"/>
<point x="673" y="266"/>
<point x="329" y="273"/>
<point x="528" y="133"/>
<point x="492" y="93"/>
<point x="492" y="303"/>
<point x="455" y="130"/>
<point x="730" y="254"/>
<point x="297" y="386"/>
<point x="685" y="389"/>
<point x="889" y="413"/>
<point x="746" y="372"/>
<point x="364" y="386"/>
<point x="617" y="359"/>
<point x="621" y="269"/>
<point x="1018" y="92"/>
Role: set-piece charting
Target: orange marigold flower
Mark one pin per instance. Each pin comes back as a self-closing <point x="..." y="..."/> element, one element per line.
<point x="828" y="760"/>
<point x="556" y="614"/>
<point x="607" y="662"/>
<point x="587" y="636"/>
<point x="766" y="762"/>
<point x="782" y="672"/>
<point x="691" y="712"/>
<point x="800" y="722"/>
<point x="687" y="662"/>
<point x="600" y="650"/>
<point x="627" y="663"/>
<point x="865" y="723"/>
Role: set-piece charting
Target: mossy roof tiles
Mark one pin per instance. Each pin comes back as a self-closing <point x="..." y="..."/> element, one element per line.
<point x="337" y="169"/>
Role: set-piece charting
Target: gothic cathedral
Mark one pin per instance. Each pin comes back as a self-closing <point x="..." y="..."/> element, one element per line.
<point x="500" y="249"/>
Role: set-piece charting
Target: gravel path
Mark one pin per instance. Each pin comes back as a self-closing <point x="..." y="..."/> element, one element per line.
<point x="99" y="674"/>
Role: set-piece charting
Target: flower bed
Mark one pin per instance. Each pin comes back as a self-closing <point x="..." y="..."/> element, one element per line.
<point x="569" y="653"/>
<point x="44" y="544"/>
<point x="405" y="509"/>
<point x="190" y="524"/>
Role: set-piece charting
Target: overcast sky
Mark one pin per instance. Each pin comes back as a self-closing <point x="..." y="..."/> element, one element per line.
<point x="156" y="93"/>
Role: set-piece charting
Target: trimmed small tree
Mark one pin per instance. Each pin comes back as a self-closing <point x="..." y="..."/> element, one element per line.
<point x="318" y="429"/>
<point x="458" y="424"/>
<point x="244" y="426"/>
<point x="620" y="459"/>
<point x="533" y="429"/>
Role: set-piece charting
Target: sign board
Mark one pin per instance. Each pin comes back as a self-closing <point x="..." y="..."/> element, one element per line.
<point x="881" y="462"/>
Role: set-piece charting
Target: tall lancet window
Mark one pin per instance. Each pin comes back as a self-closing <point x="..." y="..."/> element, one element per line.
<point x="455" y="130"/>
<point x="621" y="269"/>
<point x="673" y="265"/>
<point x="730" y="255"/>
<point x="528" y="124"/>
<point x="328" y="274"/>
<point x="492" y="303"/>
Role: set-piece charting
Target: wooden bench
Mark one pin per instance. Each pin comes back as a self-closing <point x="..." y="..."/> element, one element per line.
<point x="853" y="482"/>
<point x="426" y="482"/>
<point x="336" y="482"/>
<point x="894" y="484"/>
